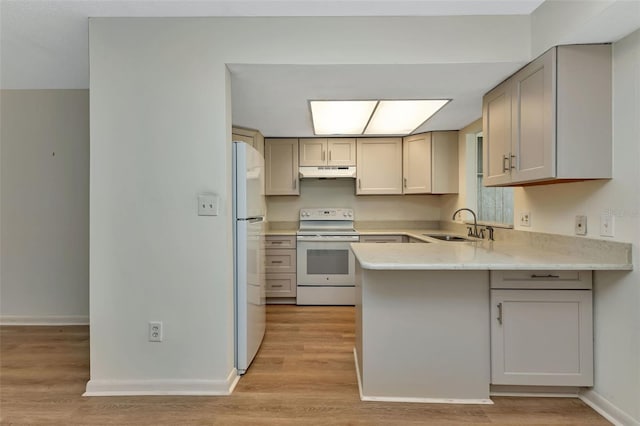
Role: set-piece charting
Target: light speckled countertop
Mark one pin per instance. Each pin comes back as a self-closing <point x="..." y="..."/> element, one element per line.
<point x="479" y="255"/>
<point x="415" y="233"/>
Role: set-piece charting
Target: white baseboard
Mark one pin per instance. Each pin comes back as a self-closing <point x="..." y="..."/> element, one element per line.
<point x="52" y="320"/>
<point x="413" y="399"/>
<point x="606" y="409"/>
<point x="163" y="387"/>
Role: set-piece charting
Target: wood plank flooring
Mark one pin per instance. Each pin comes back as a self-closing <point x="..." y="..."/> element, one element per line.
<point x="304" y="374"/>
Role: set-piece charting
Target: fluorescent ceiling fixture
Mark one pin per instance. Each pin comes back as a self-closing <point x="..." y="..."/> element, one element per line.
<point x="402" y="117"/>
<point x="340" y="117"/>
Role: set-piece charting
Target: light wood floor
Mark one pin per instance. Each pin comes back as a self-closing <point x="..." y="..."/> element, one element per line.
<point x="303" y="374"/>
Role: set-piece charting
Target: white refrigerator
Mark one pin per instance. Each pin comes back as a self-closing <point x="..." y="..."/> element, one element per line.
<point x="249" y="209"/>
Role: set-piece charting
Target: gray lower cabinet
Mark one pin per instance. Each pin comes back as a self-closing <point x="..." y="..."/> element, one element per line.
<point x="382" y="238"/>
<point x="541" y="333"/>
<point x="280" y="266"/>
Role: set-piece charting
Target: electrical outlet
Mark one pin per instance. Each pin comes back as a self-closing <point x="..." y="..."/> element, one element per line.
<point x="607" y="225"/>
<point x="155" y="331"/>
<point x="581" y="225"/>
<point x="207" y="205"/>
<point x="525" y="218"/>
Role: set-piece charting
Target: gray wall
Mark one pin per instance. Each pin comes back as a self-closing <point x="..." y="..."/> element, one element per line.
<point x="45" y="206"/>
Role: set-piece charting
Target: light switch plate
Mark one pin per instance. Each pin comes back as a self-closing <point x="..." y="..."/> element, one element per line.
<point x="207" y="205"/>
<point x="525" y="218"/>
<point x="607" y="225"/>
<point x="581" y="225"/>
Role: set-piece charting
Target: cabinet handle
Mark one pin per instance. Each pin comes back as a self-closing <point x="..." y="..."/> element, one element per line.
<point x="276" y="261"/>
<point x="295" y="184"/>
<point x="276" y="242"/>
<point x="405" y="182"/>
<point x="329" y="155"/>
<point x="359" y="184"/>
<point x="276" y="285"/>
<point x="511" y="161"/>
<point x="499" y="313"/>
<point x="505" y="168"/>
<point x="545" y="276"/>
<point x="323" y="155"/>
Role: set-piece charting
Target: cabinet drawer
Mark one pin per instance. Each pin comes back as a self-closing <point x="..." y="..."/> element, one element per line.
<point x="381" y="238"/>
<point x="552" y="280"/>
<point x="280" y="261"/>
<point x="280" y="241"/>
<point x="281" y="285"/>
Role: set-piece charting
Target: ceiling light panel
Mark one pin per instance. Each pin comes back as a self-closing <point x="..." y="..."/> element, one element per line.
<point x="340" y="117"/>
<point x="402" y="117"/>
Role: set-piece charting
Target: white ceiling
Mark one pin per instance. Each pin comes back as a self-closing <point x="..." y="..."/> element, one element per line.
<point x="44" y="45"/>
<point x="274" y="98"/>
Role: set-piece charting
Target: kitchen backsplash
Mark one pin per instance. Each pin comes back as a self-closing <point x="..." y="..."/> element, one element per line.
<point x="341" y="193"/>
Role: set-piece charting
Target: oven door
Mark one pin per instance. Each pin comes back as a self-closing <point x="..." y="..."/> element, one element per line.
<point x="325" y="263"/>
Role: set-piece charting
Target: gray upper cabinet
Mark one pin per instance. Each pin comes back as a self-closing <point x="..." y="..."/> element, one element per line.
<point x="281" y="167"/>
<point x="551" y="120"/>
<point x="250" y="136"/>
<point x="327" y="152"/>
<point x="430" y="163"/>
<point x="496" y="128"/>
<point x="379" y="166"/>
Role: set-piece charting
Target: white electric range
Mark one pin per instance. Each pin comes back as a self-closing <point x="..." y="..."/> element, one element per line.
<point x="325" y="262"/>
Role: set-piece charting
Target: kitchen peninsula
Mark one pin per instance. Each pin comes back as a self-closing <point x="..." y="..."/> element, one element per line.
<point x="427" y="327"/>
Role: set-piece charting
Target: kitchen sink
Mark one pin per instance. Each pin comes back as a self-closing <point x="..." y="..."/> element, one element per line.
<point x="446" y="237"/>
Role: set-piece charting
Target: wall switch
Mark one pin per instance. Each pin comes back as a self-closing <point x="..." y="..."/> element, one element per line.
<point x="581" y="225"/>
<point x="607" y="225"/>
<point x="525" y="218"/>
<point x="155" y="331"/>
<point x="207" y="205"/>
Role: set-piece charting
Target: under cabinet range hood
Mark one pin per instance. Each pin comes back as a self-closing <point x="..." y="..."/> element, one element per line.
<point x="328" y="172"/>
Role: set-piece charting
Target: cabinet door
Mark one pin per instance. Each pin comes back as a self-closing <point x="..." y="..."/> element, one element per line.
<point x="342" y="152"/>
<point x="313" y="152"/>
<point x="258" y="143"/>
<point x="379" y="166"/>
<point x="416" y="164"/>
<point x="534" y="140"/>
<point x="381" y="239"/>
<point x="496" y="128"/>
<point x="444" y="162"/>
<point x="541" y="337"/>
<point x="281" y="167"/>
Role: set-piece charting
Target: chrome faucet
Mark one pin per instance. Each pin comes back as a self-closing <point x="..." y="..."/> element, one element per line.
<point x="474" y="233"/>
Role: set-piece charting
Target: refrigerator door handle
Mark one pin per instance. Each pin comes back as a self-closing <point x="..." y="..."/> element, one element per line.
<point x="255" y="220"/>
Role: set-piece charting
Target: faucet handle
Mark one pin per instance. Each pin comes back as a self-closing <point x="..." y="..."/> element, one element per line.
<point x="469" y="231"/>
<point x="481" y="236"/>
<point x="490" y="229"/>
